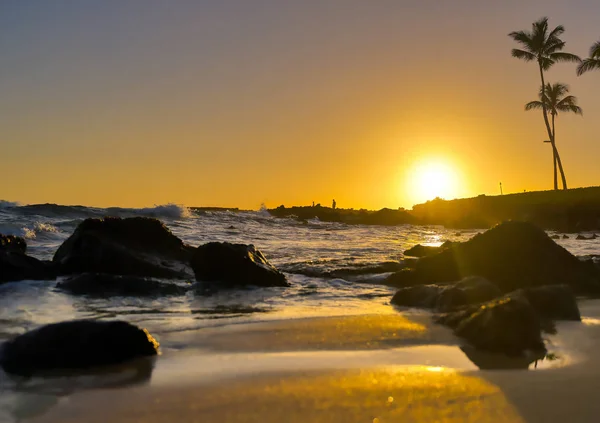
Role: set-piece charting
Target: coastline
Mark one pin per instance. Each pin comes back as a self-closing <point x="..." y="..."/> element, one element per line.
<point x="571" y="211"/>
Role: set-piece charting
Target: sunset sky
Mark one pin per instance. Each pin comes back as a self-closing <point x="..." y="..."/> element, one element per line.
<point x="236" y="103"/>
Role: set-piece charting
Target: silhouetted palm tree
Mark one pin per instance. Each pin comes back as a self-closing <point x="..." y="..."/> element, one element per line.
<point x="553" y="97"/>
<point x="544" y="47"/>
<point x="592" y="62"/>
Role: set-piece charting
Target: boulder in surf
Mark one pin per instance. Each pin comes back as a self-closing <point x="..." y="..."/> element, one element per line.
<point x="231" y="265"/>
<point x="512" y="255"/>
<point x="137" y="246"/>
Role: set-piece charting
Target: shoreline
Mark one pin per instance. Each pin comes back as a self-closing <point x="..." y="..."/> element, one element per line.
<point x="326" y="362"/>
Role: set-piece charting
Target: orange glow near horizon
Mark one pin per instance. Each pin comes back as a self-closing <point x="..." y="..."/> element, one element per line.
<point x="234" y="105"/>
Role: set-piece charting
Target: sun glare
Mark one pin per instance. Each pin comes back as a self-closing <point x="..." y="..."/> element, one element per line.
<point x="431" y="179"/>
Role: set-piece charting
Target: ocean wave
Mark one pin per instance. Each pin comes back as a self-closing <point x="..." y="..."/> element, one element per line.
<point x="8" y="204"/>
<point x="29" y="232"/>
<point x="173" y="211"/>
<point x="56" y="210"/>
<point x="350" y="272"/>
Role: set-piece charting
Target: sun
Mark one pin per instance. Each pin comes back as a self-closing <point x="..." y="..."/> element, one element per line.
<point x="431" y="179"/>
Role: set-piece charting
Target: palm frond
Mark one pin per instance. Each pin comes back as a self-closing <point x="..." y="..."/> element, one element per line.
<point x="565" y="57"/>
<point x="532" y="105"/>
<point x="523" y="38"/>
<point x="553" y="45"/>
<point x="570" y="108"/>
<point x="595" y="50"/>
<point x="546" y="62"/>
<point x="588" y="65"/>
<point x="556" y="32"/>
<point x="523" y="55"/>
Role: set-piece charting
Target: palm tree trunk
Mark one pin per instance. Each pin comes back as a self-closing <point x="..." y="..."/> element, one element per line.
<point x="545" y="113"/>
<point x="557" y="157"/>
<point x="560" y="168"/>
<point x="554" y="155"/>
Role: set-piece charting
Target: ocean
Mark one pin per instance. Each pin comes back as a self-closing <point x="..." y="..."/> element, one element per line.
<point x="333" y="268"/>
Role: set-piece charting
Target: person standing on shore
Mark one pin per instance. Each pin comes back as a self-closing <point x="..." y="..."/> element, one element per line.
<point x="333" y="204"/>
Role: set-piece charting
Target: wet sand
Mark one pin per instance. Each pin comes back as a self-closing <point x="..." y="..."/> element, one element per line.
<point x="348" y="369"/>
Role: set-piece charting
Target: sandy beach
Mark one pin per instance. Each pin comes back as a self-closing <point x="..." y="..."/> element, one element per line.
<point x="370" y="368"/>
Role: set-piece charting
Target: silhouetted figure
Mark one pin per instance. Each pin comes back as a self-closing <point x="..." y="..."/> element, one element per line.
<point x="313" y="203"/>
<point x="333" y="204"/>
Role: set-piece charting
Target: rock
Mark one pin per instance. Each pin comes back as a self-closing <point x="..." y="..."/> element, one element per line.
<point x="426" y="250"/>
<point x="103" y="285"/>
<point x="78" y="344"/>
<point x="234" y="265"/>
<point x="565" y="237"/>
<point x="586" y="238"/>
<point x="11" y="243"/>
<point x="15" y="265"/>
<point x="508" y="325"/>
<point x="555" y="237"/>
<point x="422" y="296"/>
<point x="471" y="290"/>
<point x="137" y="246"/>
<point x="555" y="302"/>
<point x="512" y="255"/>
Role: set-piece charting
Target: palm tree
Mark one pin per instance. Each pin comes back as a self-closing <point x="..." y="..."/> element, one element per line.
<point x="554" y="99"/>
<point x="592" y="62"/>
<point x="544" y="47"/>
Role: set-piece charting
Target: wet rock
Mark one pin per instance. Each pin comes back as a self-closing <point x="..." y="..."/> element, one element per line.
<point x="15" y="265"/>
<point x="422" y="296"/>
<point x="13" y="244"/>
<point x="426" y="250"/>
<point x="233" y="265"/>
<point x="508" y="325"/>
<point x="512" y="255"/>
<point x="135" y="246"/>
<point x="78" y="344"/>
<point x="555" y="302"/>
<point x="555" y="237"/>
<point x="471" y="290"/>
<point x="565" y="237"/>
<point x="586" y="238"/>
<point x="104" y="285"/>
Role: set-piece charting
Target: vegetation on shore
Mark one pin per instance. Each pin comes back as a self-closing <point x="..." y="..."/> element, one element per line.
<point x="572" y="210"/>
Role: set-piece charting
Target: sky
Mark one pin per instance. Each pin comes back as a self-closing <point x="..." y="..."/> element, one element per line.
<point x="236" y="103"/>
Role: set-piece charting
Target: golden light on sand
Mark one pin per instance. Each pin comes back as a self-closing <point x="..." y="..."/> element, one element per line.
<point x="429" y="179"/>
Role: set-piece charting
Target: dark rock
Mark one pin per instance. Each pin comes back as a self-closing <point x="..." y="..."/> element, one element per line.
<point x="512" y="255"/>
<point x="586" y="238"/>
<point x="555" y="302"/>
<point x="471" y="290"/>
<point x="234" y="265"/>
<point x="135" y="246"/>
<point x="508" y="325"/>
<point x="15" y="265"/>
<point x="565" y="237"/>
<point x="422" y="296"/>
<point x="13" y="244"/>
<point x="555" y="237"/>
<point x="426" y="250"/>
<point x="78" y="344"/>
<point x="101" y="284"/>
<point x="486" y="360"/>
